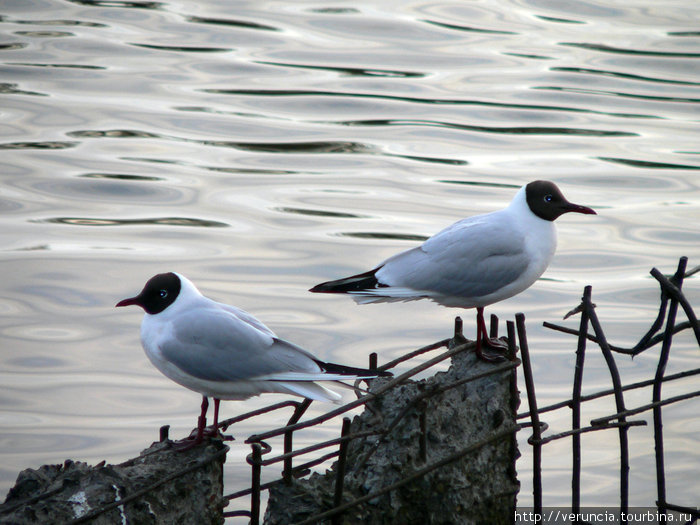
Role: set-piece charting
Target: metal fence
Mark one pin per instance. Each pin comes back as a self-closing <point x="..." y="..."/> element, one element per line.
<point x="661" y="332"/>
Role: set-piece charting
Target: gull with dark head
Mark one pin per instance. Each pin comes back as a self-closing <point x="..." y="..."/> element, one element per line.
<point x="223" y="352"/>
<point x="473" y="263"/>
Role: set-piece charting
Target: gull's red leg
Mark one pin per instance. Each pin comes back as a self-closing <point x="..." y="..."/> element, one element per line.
<point x="202" y="420"/>
<point x="213" y="431"/>
<point x="216" y="414"/>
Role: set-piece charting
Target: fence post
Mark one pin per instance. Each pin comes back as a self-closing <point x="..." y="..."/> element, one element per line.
<point x="576" y="406"/>
<point x="256" y="467"/>
<point x="656" y="391"/>
<point x="340" y="474"/>
<point x="288" y="436"/>
<point x="536" y="439"/>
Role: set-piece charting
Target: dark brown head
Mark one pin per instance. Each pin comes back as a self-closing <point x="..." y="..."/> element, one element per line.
<point x="547" y="202"/>
<point x="159" y="292"/>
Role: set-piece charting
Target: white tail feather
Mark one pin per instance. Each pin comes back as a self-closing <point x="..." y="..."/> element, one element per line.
<point x="311" y="390"/>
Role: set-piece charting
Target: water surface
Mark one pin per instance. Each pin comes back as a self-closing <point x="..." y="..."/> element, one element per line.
<point x="262" y="147"/>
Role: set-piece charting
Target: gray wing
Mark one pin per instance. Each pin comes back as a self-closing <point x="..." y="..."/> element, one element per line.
<point x="216" y="345"/>
<point x="472" y="258"/>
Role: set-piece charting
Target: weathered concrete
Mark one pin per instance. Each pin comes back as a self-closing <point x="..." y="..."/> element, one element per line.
<point x="478" y="488"/>
<point x="75" y="490"/>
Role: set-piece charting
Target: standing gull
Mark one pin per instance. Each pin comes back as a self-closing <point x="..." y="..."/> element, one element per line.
<point x="473" y="263"/>
<point x="224" y="352"/>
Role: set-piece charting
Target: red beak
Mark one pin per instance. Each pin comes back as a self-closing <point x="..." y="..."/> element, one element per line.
<point x="576" y="208"/>
<point x="128" y="302"/>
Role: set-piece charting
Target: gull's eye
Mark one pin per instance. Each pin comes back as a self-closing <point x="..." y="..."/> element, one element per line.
<point x="163" y="293"/>
<point x="548" y="198"/>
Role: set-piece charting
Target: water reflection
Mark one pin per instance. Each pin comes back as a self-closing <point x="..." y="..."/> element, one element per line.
<point x="160" y="221"/>
<point x="229" y="22"/>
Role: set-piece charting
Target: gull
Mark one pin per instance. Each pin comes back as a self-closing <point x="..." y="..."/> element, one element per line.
<point x="223" y="352"/>
<point x="473" y="263"/>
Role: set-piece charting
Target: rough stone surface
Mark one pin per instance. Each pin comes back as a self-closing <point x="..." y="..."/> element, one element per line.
<point x="479" y="488"/>
<point x="62" y="493"/>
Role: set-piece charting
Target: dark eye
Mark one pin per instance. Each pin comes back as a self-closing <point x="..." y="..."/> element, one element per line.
<point x="548" y="198"/>
<point x="163" y="293"/>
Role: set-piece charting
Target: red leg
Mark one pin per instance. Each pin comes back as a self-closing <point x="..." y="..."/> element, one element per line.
<point x="189" y="442"/>
<point x="202" y="421"/>
<point x="216" y="413"/>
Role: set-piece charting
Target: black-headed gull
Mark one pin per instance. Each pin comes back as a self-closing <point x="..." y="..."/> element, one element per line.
<point x="224" y="352"/>
<point x="475" y="262"/>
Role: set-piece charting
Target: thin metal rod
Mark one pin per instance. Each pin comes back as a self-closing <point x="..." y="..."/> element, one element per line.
<point x="373" y="361"/>
<point x="340" y="471"/>
<point x="576" y="407"/>
<point x="319" y="446"/>
<point x="592" y="428"/>
<point x="423" y="439"/>
<point x="288" y="436"/>
<point x="634" y="351"/>
<point x="535" y="418"/>
<point x="649" y="406"/>
<point x="607" y="392"/>
<point x="619" y="404"/>
<point x="255" y="484"/>
<point x="223" y="425"/>
<point x="673" y="288"/>
<point x="493" y="328"/>
<point x="658" y="381"/>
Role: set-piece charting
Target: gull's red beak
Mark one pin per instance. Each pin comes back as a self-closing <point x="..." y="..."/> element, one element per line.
<point x="128" y="302"/>
<point x="576" y="208"/>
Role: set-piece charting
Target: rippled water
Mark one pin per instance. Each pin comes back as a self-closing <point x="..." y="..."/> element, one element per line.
<point x="262" y="147"/>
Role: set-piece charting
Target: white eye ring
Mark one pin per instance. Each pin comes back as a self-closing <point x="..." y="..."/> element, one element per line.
<point x="163" y="293"/>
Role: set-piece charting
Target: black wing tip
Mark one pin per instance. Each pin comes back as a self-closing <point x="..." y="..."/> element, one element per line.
<point x="351" y="371"/>
<point x="326" y="287"/>
<point x="354" y="283"/>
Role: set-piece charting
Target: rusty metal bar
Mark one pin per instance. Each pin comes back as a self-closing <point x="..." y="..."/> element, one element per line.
<point x="632" y="411"/>
<point x="415" y="353"/>
<point x="576" y="407"/>
<point x="534" y="416"/>
<point x="658" y="378"/>
<point x="223" y="425"/>
<point x="255" y="484"/>
<point x="164" y="433"/>
<point x="673" y="288"/>
<point x="340" y="471"/>
<point x="592" y="428"/>
<point x="493" y="328"/>
<point x="620" y="350"/>
<point x="318" y="446"/>
<point x="423" y="438"/>
<point x="619" y="404"/>
<point x="288" y="436"/>
<point x="607" y="392"/>
<point x="373" y="362"/>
